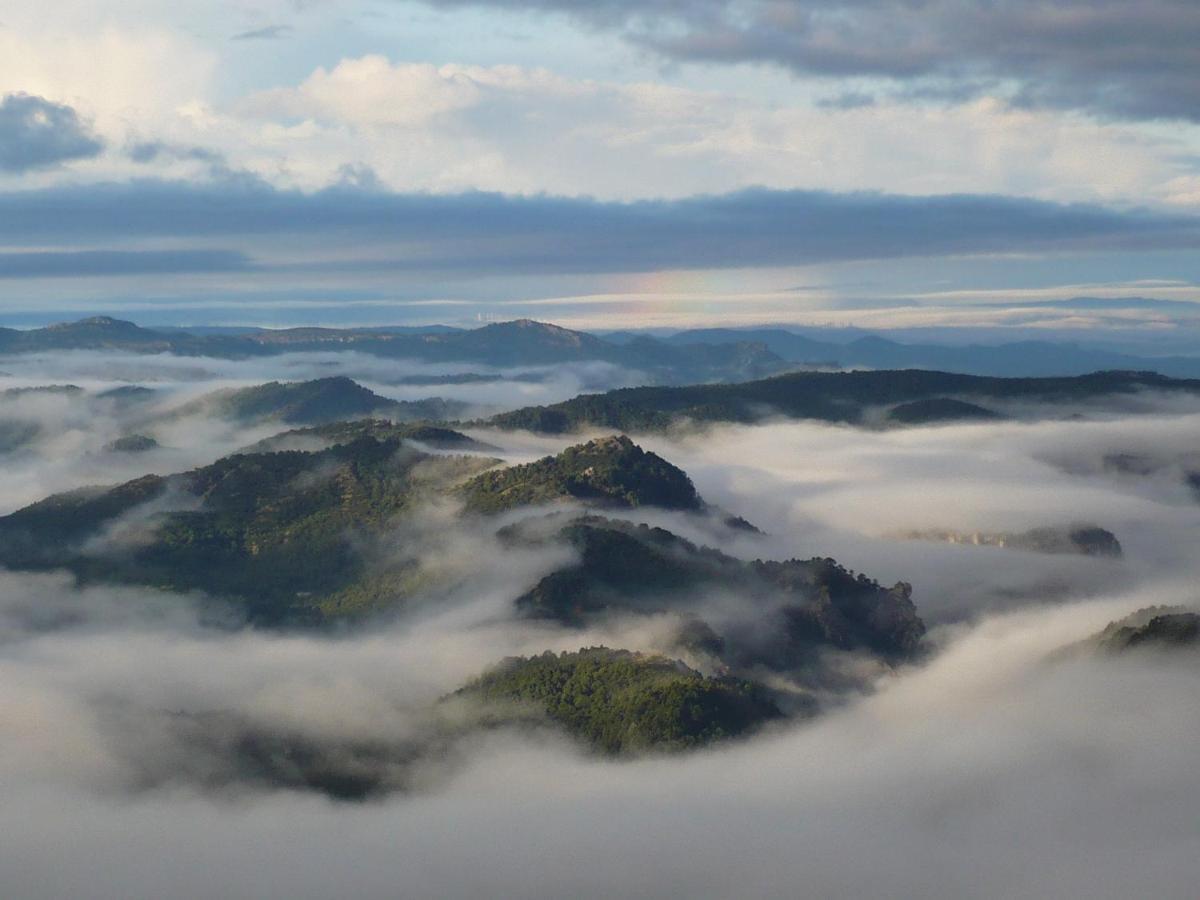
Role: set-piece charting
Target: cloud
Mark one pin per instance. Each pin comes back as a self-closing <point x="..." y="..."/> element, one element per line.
<point x="152" y="75"/>
<point x="1108" y="57"/>
<point x="66" y="448"/>
<point x="850" y="493"/>
<point x="353" y="230"/>
<point x="150" y="151"/>
<point x="370" y="90"/>
<point x="131" y="728"/>
<point x="98" y="263"/>
<point x="267" y="33"/>
<point x="987" y="773"/>
<point x="36" y="134"/>
<point x="523" y="129"/>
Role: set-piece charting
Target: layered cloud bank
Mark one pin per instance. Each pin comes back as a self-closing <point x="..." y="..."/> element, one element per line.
<point x="359" y="231"/>
<point x="153" y="741"/>
<point x="1104" y="57"/>
<point x="469" y="153"/>
<point x="989" y="772"/>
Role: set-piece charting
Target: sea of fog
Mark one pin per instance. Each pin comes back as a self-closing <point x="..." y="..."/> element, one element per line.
<point x="992" y="770"/>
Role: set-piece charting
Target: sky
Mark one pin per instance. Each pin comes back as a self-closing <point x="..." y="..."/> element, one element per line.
<point x="881" y="163"/>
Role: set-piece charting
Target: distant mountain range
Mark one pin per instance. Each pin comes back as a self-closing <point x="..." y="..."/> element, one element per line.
<point x="698" y="355"/>
<point x="1161" y="628"/>
<point x="505" y="344"/>
<point x="898" y="397"/>
<point x="1016" y="359"/>
<point x="317" y="402"/>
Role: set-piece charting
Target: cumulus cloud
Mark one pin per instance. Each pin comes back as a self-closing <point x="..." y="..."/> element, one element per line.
<point x="371" y="90"/>
<point x="110" y="71"/>
<point x="524" y="128"/>
<point x="1108" y="58"/>
<point x="36" y="133"/>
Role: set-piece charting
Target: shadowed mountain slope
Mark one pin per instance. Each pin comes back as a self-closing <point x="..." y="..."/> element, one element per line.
<point x="827" y="396"/>
<point x="625" y="567"/>
<point x="518" y="343"/>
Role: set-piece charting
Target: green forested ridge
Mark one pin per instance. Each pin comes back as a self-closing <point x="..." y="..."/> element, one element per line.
<point x="826" y="396"/>
<point x="44" y="531"/>
<point x="622" y="702"/>
<point x="288" y="534"/>
<point x="341" y="432"/>
<point x="296" y="537"/>
<point x="611" y="470"/>
<point x="628" y="567"/>
<point x="321" y="401"/>
<point x="325" y="400"/>
<point x="311" y="538"/>
<point x="282" y="532"/>
<point x="940" y="409"/>
<point x="1175" y="630"/>
<point x="1158" y="627"/>
<point x="518" y="343"/>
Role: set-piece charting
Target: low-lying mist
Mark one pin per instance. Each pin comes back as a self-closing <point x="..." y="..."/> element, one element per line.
<point x="52" y="441"/>
<point x="152" y="745"/>
<point x="989" y="772"/>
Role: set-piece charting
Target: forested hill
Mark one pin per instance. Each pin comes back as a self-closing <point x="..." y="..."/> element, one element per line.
<point x="827" y="396"/>
<point x="519" y="343"/>
<point x="284" y="534"/>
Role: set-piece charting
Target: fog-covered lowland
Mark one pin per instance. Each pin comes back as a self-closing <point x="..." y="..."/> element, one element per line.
<point x="668" y="449"/>
<point x="326" y="623"/>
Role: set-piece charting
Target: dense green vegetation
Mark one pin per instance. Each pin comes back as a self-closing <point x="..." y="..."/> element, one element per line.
<point x="613" y="702"/>
<point x="288" y="534"/>
<point x="43" y="534"/>
<point x="827" y="396"/>
<point x="309" y="537"/>
<point x="128" y="394"/>
<point x="1151" y="628"/>
<point x="621" y="702"/>
<point x="335" y="433"/>
<point x="132" y="443"/>
<point x="611" y="470"/>
<point x="323" y="400"/>
<point x="1166" y="631"/>
<point x="636" y="568"/>
<point x="940" y="409"/>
